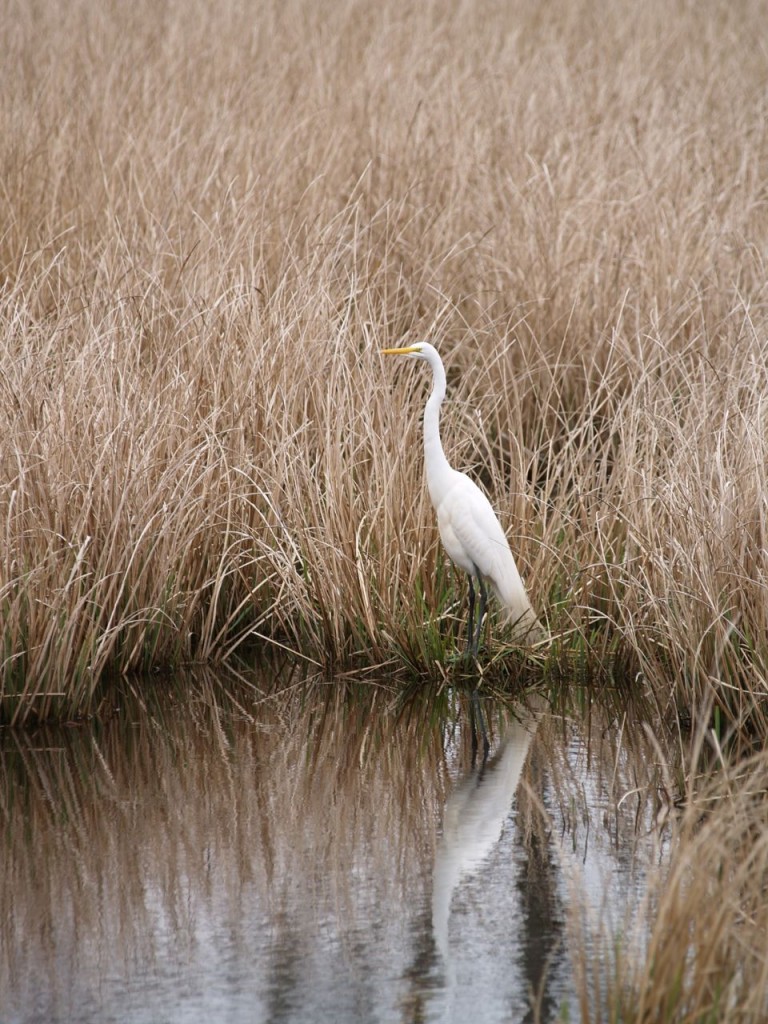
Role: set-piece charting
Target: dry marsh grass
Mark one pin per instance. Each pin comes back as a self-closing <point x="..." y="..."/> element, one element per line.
<point x="694" y="949"/>
<point x="686" y="938"/>
<point x="212" y="219"/>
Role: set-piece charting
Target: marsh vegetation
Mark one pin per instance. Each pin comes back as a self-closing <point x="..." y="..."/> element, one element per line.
<point x="215" y="216"/>
<point x="212" y="221"/>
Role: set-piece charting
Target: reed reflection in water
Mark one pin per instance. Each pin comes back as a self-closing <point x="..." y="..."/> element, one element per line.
<point x="324" y="854"/>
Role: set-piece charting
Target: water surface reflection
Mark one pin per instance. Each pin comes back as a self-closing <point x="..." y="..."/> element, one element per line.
<point x="330" y="853"/>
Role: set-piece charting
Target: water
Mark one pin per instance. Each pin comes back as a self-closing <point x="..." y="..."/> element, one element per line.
<point x="331" y="854"/>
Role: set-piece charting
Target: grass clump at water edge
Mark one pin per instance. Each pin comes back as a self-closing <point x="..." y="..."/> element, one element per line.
<point x="694" y="949"/>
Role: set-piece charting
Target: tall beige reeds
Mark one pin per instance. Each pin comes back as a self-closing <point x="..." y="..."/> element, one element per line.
<point x="214" y="216"/>
<point x="693" y="948"/>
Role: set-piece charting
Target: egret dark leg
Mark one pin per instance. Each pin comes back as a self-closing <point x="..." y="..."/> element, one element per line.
<point x="480" y="615"/>
<point x="473" y="642"/>
<point x="471" y="618"/>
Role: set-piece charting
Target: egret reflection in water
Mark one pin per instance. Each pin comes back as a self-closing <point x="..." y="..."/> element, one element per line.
<point x="473" y="819"/>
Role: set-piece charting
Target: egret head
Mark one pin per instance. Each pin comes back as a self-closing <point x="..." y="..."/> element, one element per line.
<point x="421" y="350"/>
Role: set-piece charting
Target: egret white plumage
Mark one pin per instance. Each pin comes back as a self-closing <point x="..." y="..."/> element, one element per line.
<point x="470" y="532"/>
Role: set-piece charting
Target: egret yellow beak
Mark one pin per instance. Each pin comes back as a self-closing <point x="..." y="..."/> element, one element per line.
<point x="408" y="350"/>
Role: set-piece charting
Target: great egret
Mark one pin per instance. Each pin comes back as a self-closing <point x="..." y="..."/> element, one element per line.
<point x="469" y="529"/>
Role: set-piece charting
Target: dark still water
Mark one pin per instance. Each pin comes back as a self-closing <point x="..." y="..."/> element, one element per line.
<point x="331" y="853"/>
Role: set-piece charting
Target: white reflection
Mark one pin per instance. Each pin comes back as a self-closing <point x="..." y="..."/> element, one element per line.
<point x="473" y="819"/>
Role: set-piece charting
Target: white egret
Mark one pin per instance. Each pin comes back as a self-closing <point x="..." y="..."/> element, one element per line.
<point x="469" y="529"/>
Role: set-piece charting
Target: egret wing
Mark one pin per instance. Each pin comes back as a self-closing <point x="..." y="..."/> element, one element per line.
<point x="476" y="535"/>
<point x="468" y="514"/>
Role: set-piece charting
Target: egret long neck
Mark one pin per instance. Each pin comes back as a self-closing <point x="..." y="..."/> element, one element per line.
<point x="435" y="461"/>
